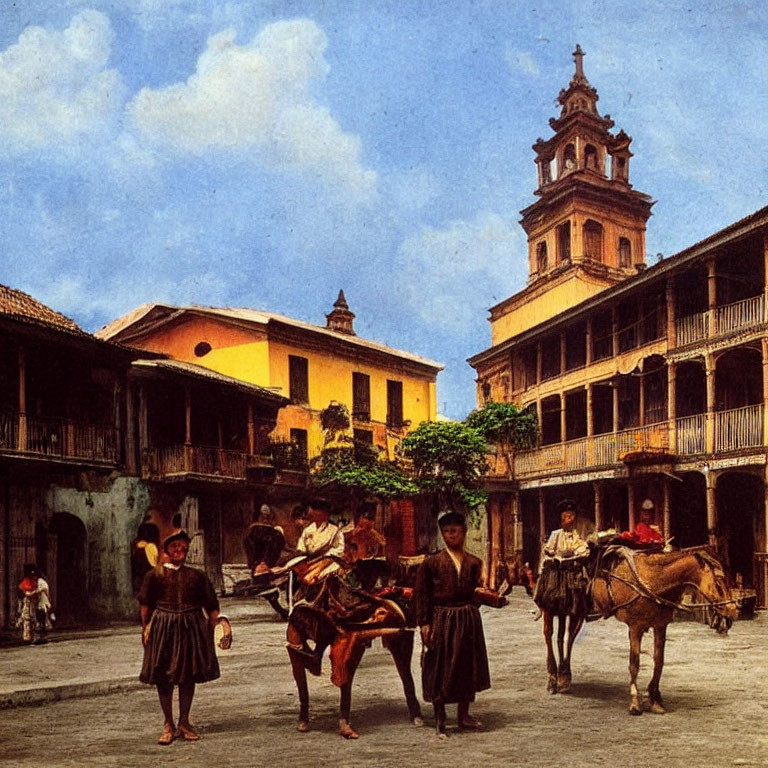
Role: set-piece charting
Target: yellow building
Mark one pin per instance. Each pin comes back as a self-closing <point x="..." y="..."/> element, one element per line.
<point x="386" y="390"/>
<point x="651" y="385"/>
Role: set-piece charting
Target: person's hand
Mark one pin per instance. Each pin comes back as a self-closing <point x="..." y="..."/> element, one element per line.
<point x="426" y="635"/>
<point x="145" y="634"/>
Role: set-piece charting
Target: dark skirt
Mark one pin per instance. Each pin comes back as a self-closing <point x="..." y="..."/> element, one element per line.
<point x="179" y="649"/>
<point x="561" y="588"/>
<point x="456" y="666"/>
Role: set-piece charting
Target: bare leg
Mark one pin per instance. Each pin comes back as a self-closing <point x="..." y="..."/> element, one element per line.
<point x="300" y="676"/>
<point x="165" y="694"/>
<point x="654" y="694"/>
<point x="635" y="640"/>
<point x="186" y="695"/>
<point x="548" y="625"/>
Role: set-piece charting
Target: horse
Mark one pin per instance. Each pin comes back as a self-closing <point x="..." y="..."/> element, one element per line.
<point x="347" y="620"/>
<point x="643" y="590"/>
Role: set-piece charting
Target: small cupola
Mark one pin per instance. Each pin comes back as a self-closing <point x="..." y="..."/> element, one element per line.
<point x="340" y="319"/>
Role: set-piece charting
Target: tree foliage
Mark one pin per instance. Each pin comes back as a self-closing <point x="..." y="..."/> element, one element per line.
<point x="505" y="424"/>
<point x="448" y="460"/>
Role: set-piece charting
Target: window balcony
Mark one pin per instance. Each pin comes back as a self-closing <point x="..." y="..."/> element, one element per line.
<point x="58" y="439"/>
<point x="203" y="460"/>
<point x="722" y="320"/>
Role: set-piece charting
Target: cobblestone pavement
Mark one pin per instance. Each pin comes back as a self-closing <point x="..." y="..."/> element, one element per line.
<point x="714" y="689"/>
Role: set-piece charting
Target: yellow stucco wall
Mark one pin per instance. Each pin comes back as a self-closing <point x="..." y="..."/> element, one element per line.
<point x="539" y="309"/>
<point x="247" y="354"/>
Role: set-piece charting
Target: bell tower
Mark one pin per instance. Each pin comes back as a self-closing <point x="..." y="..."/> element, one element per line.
<point x="587" y="212"/>
<point x="586" y="230"/>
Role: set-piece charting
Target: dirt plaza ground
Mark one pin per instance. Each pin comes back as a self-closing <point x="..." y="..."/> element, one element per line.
<point x="714" y="689"/>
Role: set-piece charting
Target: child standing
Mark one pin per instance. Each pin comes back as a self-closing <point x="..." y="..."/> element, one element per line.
<point x="455" y="664"/>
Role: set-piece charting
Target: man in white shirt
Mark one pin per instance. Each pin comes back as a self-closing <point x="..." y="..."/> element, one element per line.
<point x="320" y="537"/>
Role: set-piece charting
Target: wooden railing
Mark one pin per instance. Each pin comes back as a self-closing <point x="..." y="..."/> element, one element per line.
<point x="691" y="328"/>
<point x="691" y="434"/>
<point x="600" y="450"/>
<point x="739" y="428"/>
<point x="206" y="460"/>
<point x="58" y="438"/>
<point x="740" y="314"/>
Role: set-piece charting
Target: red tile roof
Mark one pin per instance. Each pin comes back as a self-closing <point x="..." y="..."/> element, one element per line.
<point x="20" y="304"/>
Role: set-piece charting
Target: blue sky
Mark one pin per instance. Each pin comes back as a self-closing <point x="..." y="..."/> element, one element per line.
<point x="266" y="154"/>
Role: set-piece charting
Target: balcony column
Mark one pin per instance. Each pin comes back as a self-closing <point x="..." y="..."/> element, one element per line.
<point x="130" y="438"/>
<point x="712" y="295"/>
<point x="187" y="429"/>
<point x="143" y="419"/>
<point x="590" y="428"/>
<point x="671" y="315"/>
<point x="631" y="506"/>
<point x="641" y="405"/>
<point x="538" y="363"/>
<point x="666" y="525"/>
<point x="599" y="492"/>
<point x="542" y="517"/>
<point x="562" y="418"/>
<point x="615" y="386"/>
<point x="711" y="481"/>
<point x="588" y="342"/>
<point x="516" y="522"/>
<point x="761" y="545"/>
<point x="538" y="415"/>
<point x="764" y="349"/>
<point x="672" y="405"/>
<point x="709" y="366"/>
<point x="563" y="356"/>
<point x="496" y="535"/>
<point x="765" y="279"/>
<point x="22" y="435"/>
<point x="614" y="332"/>
<point x="251" y="430"/>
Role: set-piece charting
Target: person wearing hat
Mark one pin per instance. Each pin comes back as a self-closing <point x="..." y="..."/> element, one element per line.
<point x="179" y="610"/>
<point x="562" y="583"/>
<point x="455" y="661"/>
<point x="645" y="530"/>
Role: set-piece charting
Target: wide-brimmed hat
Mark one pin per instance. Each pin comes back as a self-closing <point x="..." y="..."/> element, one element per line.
<point x="452" y="518"/>
<point x="176" y="536"/>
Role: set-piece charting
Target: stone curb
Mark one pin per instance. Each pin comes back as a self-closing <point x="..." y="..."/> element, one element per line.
<point x="31" y="697"/>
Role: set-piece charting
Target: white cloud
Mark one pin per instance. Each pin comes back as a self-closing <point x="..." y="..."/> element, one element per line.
<point x="257" y="99"/>
<point x="452" y="275"/>
<point x="55" y="88"/>
<point x="522" y="61"/>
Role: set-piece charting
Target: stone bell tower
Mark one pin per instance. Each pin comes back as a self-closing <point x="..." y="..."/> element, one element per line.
<point x="586" y="231"/>
<point x="587" y="213"/>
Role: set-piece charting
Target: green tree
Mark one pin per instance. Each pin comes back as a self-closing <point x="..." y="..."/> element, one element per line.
<point x="506" y="427"/>
<point x="448" y="460"/>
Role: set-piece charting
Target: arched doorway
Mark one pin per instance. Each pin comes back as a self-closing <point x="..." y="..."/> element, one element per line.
<point x="71" y="584"/>
<point x="740" y="499"/>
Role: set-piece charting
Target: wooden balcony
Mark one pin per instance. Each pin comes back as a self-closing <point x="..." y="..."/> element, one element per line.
<point x="59" y="439"/>
<point x="747" y="313"/>
<point x="737" y="429"/>
<point x="201" y="460"/>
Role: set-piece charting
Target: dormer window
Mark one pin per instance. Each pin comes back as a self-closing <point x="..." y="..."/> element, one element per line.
<point x="541" y="257"/>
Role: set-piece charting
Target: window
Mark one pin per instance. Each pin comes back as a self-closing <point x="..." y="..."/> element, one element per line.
<point x="602" y="335"/>
<point x="625" y="252"/>
<point x="394" y="404"/>
<point x="550" y="357"/>
<point x="550" y="420"/>
<point x="300" y="443"/>
<point x="564" y="242"/>
<point x="628" y="325"/>
<point x="363" y="445"/>
<point x="541" y="257"/>
<point x="576" y="346"/>
<point x="298" y="375"/>
<point x="593" y="240"/>
<point x="361" y="396"/>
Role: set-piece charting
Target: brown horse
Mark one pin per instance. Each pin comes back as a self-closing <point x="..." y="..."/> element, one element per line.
<point x="643" y="590"/>
<point x="346" y="620"/>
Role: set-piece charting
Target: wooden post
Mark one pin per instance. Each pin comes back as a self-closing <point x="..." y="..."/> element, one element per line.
<point x="187" y="429"/>
<point x="588" y="341"/>
<point x="130" y="436"/>
<point x="631" y="506"/>
<point x="666" y="509"/>
<point x="711" y="481"/>
<point x="712" y="295"/>
<point x="542" y="517"/>
<point x="671" y="315"/>
<point x="22" y="435"/>
<point x="597" y="489"/>
<point x="251" y="430"/>
<point x="672" y="405"/>
<point x="710" y="421"/>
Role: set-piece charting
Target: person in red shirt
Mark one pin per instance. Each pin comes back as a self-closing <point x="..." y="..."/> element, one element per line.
<point x="645" y="531"/>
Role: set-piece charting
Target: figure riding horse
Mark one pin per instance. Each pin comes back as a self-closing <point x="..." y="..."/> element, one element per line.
<point x="643" y="590"/>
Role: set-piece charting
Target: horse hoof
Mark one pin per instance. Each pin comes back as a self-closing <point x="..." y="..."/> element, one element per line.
<point x="303" y="726"/>
<point x="635" y="711"/>
<point x="417" y="722"/>
<point x="657" y="709"/>
<point x="563" y="684"/>
<point x="552" y="686"/>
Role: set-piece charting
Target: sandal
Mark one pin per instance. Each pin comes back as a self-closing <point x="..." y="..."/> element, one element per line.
<point x="188" y="733"/>
<point x="167" y="736"/>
